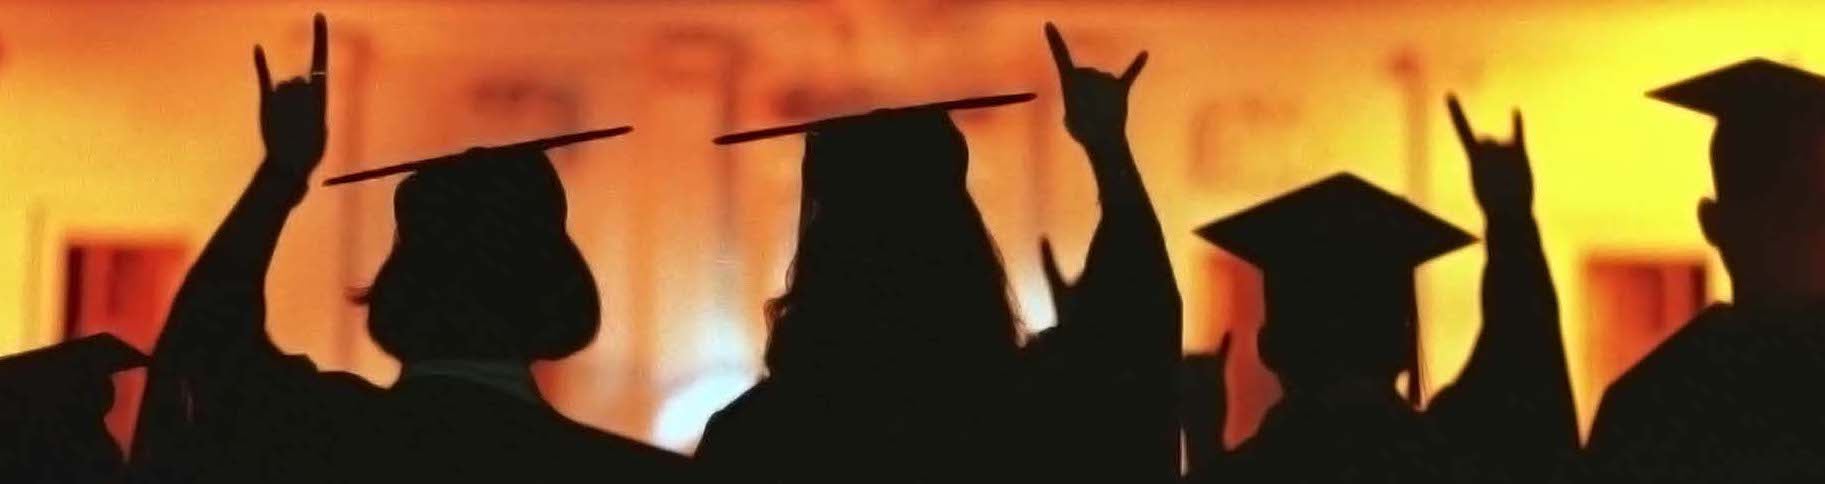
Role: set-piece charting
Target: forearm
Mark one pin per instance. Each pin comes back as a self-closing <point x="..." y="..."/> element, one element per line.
<point x="220" y="308"/>
<point x="1517" y="374"/>
<point x="1127" y="265"/>
<point x="1520" y="309"/>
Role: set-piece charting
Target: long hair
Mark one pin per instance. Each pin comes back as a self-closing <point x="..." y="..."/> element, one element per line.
<point x="895" y="270"/>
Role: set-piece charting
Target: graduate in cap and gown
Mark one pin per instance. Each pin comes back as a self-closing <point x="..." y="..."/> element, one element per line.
<point x="53" y="404"/>
<point x="1337" y="260"/>
<point x="893" y="351"/>
<point x="1509" y="416"/>
<point x="482" y="281"/>
<point x="1735" y="395"/>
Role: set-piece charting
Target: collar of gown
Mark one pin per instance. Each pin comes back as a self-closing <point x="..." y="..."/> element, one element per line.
<point x="509" y="377"/>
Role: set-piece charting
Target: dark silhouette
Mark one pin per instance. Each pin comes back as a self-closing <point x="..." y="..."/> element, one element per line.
<point x="1337" y="258"/>
<point x="894" y="349"/>
<point x="52" y="404"/>
<point x="1511" y="408"/>
<point x="1328" y="252"/>
<point x="1734" y="395"/>
<point x="483" y="280"/>
<point x="1105" y="378"/>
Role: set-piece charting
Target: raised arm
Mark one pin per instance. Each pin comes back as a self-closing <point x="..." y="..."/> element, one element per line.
<point x="1126" y="290"/>
<point x="215" y="335"/>
<point x="1124" y="310"/>
<point x="1513" y="401"/>
<point x="221" y="306"/>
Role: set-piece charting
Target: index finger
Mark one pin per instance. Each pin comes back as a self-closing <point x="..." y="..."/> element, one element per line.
<point x="320" y="50"/>
<point x="1458" y="122"/>
<point x="1134" y="68"/>
<point x="1061" y="55"/>
<point x="259" y="69"/>
<point x="1519" y="138"/>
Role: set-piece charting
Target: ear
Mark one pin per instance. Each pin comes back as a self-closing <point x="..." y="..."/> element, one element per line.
<point x="1711" y="221"/>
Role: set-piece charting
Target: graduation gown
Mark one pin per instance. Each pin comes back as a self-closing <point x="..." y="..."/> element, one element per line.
<point x="225" y="405"/>
<point x="1733" y="396"/>
<point x="51" y="435"/>
<point x="793" y="431"/>
<point x="1366" y="436"/>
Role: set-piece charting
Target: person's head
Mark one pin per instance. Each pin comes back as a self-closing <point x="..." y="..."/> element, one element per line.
<point x="1340" y="325"/>
<point x="482" y="266"/>
<point x="1337" y="259"/>
<point x="895" y="269"/>
<point x="1767" y="220"/>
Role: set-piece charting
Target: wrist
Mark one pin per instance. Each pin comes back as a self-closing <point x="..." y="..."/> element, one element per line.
<point x="1105" y="144"/>
<point x="1508" y="216"/>
<point x="281" y="178"/>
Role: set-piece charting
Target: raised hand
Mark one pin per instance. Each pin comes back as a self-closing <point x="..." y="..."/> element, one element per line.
<point x="1096" y="102"/>
<point x="1499" y="171"/>
<point x="292" y="113"/>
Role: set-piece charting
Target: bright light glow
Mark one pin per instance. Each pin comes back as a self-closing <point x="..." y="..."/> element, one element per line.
<point x="684" y="412"/>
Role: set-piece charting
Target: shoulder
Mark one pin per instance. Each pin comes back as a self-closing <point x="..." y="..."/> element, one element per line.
<point x="634" y="458"/>
<point x="1686" y="357"/>
<point x="740" y="419"/>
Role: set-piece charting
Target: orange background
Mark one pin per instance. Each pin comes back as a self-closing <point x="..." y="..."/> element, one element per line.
<point x="136" y="124"/>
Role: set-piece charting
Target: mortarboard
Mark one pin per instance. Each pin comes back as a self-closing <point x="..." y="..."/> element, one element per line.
<point x="1340" y="221"/>
<point x="479" y="153"/>
<point x="70" y="362"/>
<point x="1339" y="233"/>
<point x="1770" y="120"/>
<point x="945" y="106"/>
<point x="910" y="153"/>
<point x="1755" y="87"/>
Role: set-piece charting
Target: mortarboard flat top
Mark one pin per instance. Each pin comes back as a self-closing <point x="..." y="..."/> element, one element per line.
<point x="534" y="145"/>
<point x="971" y="103"/>
<point x="1338" y="221"/>
<point x="1755" y="87"/>
<point x="100" y="354"/>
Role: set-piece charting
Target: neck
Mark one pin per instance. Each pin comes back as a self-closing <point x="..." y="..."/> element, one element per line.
<point x="506" y="376"/>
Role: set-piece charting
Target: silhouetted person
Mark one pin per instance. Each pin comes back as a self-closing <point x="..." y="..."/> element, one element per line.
<point x="1105" y="379"/>
<point x="1337" y="260"/>
<point x="52" y="406"/>
<point x="1512" y="406"/>
<point x="482" y="281"/>
<point x="893" y="351"/>
<point x="1736" y="395"/>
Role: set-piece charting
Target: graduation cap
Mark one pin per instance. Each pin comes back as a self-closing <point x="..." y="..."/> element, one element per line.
<point x="1347" y="251"/>
<point x="479" y="154"/>
<point x="1755" y="87"/>
<point x="812" y="126"/>
<point x="1338" y="222"/>
<point x="884" y="159"/>
<point x="1770" y="124"/>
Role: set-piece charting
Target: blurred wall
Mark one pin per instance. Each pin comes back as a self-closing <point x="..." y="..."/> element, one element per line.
<point x="137" y="122"/>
